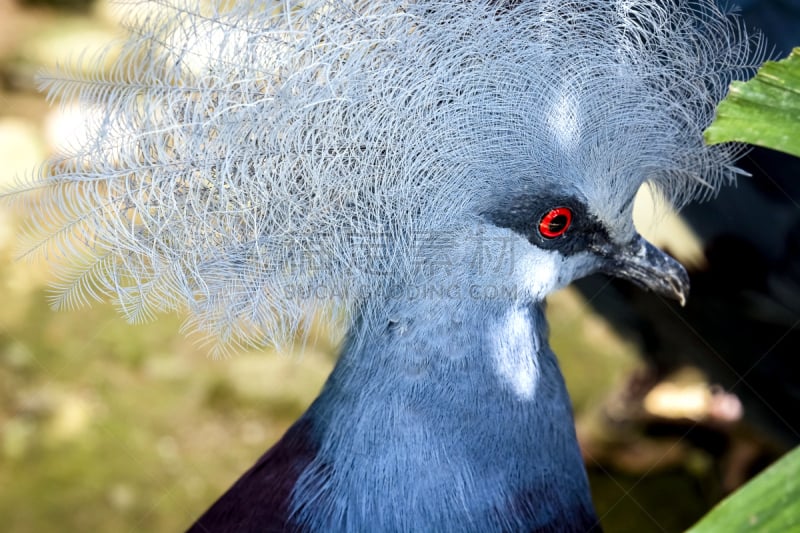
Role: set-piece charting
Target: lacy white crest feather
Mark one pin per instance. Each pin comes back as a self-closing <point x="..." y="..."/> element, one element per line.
<point x="250" y="160"/>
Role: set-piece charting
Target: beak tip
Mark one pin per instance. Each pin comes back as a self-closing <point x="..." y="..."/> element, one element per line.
<point x="682" y="299"/>
<point x="682" y="285"/>
<point x="679" y="284"/>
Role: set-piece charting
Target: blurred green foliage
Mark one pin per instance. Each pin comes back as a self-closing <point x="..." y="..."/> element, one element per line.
<point x="78" y="6"/>
<point x="765" y="110"/>
<point x="770" y="503"/>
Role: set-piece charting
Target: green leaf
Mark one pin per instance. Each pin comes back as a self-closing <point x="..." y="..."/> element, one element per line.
<point x="764" y="111"/>
<point x="769" y="503"/>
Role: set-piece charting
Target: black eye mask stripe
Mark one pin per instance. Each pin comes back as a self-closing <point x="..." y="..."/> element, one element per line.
<point x="524" y="214"/>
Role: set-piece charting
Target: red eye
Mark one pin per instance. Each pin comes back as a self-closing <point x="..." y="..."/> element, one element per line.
<point x="556" y="222"/>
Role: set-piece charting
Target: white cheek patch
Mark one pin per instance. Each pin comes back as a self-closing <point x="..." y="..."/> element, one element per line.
<point x="514" y="354"/>
<point x="538" y="273"/>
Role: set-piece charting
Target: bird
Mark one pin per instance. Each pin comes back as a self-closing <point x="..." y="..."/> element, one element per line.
<point x="426" y="171"/>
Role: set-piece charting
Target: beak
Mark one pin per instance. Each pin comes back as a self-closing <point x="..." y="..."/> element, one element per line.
<point x="646" y="266"/>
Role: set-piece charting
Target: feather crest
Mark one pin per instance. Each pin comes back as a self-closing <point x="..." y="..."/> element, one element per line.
<point x="251" y="160"/>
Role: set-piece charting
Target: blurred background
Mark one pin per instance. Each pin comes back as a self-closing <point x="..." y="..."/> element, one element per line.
<point x="109" y="426"/>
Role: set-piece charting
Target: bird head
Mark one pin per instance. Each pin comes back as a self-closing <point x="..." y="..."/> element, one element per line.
<point x="568" y="239"/>
<point x="246" y="163"/>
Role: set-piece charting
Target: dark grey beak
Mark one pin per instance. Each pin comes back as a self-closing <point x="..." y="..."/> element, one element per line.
<point x="646" y="266"/>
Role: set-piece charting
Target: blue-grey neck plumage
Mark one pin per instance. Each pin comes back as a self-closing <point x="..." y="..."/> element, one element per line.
<point x="432" y="169"/>
<point x="466" y="417"/>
